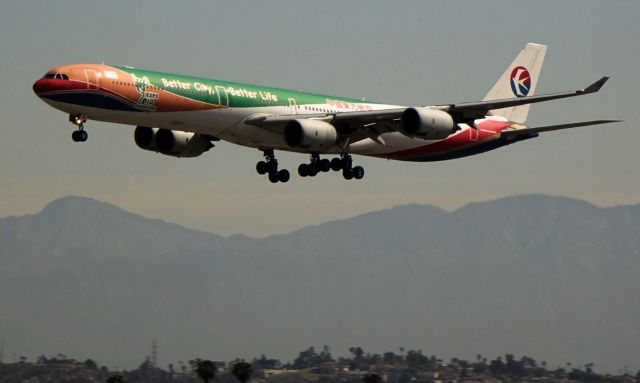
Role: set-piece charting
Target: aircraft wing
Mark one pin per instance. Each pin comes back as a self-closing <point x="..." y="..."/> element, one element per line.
<point x="371" y="124"/>
<point x="480" y="108"/>
<point x="539" y="129"/>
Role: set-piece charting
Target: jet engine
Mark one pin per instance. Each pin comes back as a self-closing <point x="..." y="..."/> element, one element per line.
<point x="173" y="143"/>
<point x="314" y="135"/>
<point x="426" y="123"/>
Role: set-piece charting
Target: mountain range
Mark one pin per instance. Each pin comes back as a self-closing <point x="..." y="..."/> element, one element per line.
<point x="553" y="278"/>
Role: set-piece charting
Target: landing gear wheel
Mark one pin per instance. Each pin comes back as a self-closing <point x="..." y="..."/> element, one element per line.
<point x="261" y="167"/>
<point x="325" y="165"/>
<point x="303" y="170"/>
<point x="78" y="120"/>
<point x="348" y="170"/>
<point x="336" y="164"/>
<point x="358" y="172"/>
<point x="270" y="167"/>
<point x="79" y="136"/>
<point x="283" y="176"/>
<point x="312" y="170"/>
<point x="273" y="177"/>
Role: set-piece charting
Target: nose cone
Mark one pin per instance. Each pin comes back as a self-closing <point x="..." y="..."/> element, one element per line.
<point x="39" y="87"/>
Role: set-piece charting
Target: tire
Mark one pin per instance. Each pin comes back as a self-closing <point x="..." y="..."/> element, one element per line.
<point x="325" y="165"/>
<point x="261" y="167"/>
<point x="358" y="172"/>
<point x="336" y="164"/>
<point x="273" y="177"/>
<point x="283" y="176"/>
<point x="303" y="170"/>
<point x="313" y="171"/>
<point x="75" y="136"/>
<point x="347" y="174"/>
<point x="83" y="135"/>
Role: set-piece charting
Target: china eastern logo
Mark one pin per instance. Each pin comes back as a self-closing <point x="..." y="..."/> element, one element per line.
<point x="520" y="81"/>
<point x="147" y="99"/>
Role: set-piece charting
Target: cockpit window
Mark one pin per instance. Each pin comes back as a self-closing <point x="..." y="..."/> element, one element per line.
<point x="59" y="76"/>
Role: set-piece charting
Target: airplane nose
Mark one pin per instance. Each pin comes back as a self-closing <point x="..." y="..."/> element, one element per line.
<point x="38" y="87"/>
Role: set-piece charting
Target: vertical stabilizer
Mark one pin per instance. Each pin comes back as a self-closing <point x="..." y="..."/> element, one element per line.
<point x="519" y="80"/>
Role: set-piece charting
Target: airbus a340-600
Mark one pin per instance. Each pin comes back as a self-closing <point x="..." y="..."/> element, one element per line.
<point x="181" y="116"/>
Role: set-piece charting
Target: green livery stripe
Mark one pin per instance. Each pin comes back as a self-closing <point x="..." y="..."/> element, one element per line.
<point x="232" y="94"/>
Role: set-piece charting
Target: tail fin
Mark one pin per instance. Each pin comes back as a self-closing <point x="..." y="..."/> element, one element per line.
<point x="519" y="80"/>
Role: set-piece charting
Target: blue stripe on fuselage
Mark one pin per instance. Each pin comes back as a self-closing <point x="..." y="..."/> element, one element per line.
<point x="96" y="100"/>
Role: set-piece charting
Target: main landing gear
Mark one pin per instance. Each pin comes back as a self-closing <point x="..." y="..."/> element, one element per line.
<point x="78" y="120"/>
<point x="315" y="166"/>
<point x="270" y="167"/>
<point x="344" y="163"/>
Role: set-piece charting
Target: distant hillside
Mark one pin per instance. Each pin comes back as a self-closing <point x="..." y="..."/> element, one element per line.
<point x="536" y="275"/>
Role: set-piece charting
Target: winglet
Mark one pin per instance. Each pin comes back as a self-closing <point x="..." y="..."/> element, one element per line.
<point x="596" y="85"/>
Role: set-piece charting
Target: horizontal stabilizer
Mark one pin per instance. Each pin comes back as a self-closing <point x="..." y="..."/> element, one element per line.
<point x="519" y="132"/>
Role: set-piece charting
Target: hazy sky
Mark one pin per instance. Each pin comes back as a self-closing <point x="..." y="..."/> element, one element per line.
<point x="409" y="52"/>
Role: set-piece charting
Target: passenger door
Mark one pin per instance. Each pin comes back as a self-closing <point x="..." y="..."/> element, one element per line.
<point x="92" y="78"/>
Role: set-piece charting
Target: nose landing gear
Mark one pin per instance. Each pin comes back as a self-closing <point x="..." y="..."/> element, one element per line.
<point x="270" y="167"/>
<point x="78" y="120"/>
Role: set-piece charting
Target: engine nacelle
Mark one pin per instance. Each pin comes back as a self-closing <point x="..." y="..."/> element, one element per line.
<point x="172" y="142"/>
<point x="314" y="135"/>
<point x="426" y="123"/>
<point x="145" y="138"/>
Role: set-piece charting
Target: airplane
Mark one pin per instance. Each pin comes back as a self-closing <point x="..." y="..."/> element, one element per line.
<point x="181" y="116"/>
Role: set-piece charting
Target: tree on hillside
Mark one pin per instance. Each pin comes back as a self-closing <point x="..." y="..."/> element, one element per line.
<point x="242" y="371"/>
<point x="115" y="379"/>
<point x="90" y="363"/>
<point x="310" y="358"/>
<point x="325" y="355"/>
<point x="358" y="353"/>
<point x="390" y="358"/>
<point x="497" y="366"/>
<point x="266" y="363"/>
<point x="372" y="378"/>
<point x="205" y="369"/>
<point x="415" y="359"/>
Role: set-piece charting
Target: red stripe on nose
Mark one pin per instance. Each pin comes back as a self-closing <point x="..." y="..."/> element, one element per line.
<point x="45" y="85"/>
<point x="38" y="87"/>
